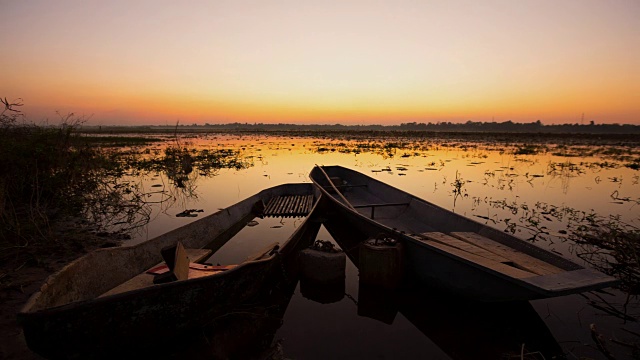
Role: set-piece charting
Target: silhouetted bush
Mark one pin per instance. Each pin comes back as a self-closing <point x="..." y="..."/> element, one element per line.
<point x="51" y="176"/>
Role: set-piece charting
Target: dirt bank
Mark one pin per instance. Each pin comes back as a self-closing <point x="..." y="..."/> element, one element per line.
<point x="21" y="279"/>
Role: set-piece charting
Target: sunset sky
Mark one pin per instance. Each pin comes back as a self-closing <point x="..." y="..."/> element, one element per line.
<point x="331" y="61"/>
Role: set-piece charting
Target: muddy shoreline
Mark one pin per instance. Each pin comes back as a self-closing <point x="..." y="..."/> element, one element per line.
<point x="23" y="279"/>
<point x="12" y="298"/>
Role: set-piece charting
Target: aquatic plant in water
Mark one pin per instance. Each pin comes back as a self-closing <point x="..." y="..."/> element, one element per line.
<point x="62" y="190"/>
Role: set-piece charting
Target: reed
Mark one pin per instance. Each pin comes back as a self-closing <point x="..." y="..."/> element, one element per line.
<point x="63" y="192"/>
<point x="57" y="191"/>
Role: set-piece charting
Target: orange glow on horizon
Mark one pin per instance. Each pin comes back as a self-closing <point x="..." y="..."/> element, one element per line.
<point x="352" y="63"/>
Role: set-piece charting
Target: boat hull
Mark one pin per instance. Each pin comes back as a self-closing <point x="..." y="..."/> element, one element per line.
<point x="409" y="216"/>
<point x="107" y="326"/>
<point x="440" y="271"/>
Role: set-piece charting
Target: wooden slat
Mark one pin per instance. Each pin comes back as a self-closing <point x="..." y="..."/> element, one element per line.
<point x="303" y="205"/>
<point x="268" y="205"/>
<point x="283" y="208"/>
<point x="301" y="200"/>
<point x="521" y="259"/>
<point x="286" y="204"/>
<point x="300" y="208"/>
<point x="482" y="261"/>
<point x="463" y="245"/>
<point x="271" y="205"/>
<point x="292" y="205"/>
<point x="585" y="279"/>
<point x="278" y="207"/>
<point x="289" y="210"/>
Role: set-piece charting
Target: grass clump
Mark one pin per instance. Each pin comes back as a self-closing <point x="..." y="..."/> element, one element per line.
<point x="527" y="149"/>
<point x="51" y="185"/>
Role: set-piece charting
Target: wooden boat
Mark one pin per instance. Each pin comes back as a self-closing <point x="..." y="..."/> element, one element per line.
<point x="247" y="331"/>
<point x="105" y="302"/>
<point x="449" y="250"/>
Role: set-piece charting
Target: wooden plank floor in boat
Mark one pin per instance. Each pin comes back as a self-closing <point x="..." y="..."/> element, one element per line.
<point x="491" y="254"/>
<point x="464" y="246"/>
<point x="473" y="254"/>
<point x="521" y="259"/>
<point x="289" y="205"/>
<point x="143" y="280"/>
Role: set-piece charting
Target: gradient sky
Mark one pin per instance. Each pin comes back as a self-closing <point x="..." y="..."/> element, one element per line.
<point x="330" y="61"/>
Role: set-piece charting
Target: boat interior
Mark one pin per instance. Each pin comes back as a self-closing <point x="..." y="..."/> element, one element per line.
<point x="435" y="227"/>
<point x="182" y="263"/>
<point x="185" y="265"/>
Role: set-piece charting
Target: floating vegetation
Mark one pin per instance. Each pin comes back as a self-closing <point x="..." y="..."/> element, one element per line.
<point x="189" y="213"/>
<point x="458" y="188"/>
<point x="116" y="141"/>
<point x="528" y="149"/>
<point x="180" y="162"/>
<point x="564" y="169"/>
<point x="387" y="145"/>
<point x="616" y="196"/>
<point x="635" y="164"/>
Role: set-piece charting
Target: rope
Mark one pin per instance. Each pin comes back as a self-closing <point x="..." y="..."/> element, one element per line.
<point x="335" y="188"/>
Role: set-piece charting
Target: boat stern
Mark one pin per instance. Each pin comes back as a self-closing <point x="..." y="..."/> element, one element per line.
<point x="570" y="282"/>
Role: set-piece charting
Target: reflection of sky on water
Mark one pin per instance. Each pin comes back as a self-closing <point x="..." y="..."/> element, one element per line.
<point x="487" y="175"/>
<point x="252" y="239"/>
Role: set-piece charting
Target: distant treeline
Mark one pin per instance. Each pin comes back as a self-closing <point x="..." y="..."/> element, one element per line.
<point x="469" y="126"/>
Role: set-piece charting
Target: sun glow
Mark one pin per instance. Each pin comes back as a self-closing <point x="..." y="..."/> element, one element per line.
<point x="335" y="62"/>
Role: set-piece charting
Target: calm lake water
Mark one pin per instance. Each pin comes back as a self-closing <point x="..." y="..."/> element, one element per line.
<point x="531" y="193"/>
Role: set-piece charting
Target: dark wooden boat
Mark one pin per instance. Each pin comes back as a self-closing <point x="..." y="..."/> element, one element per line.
<point x="106" y="302"/>
<point x="245" y="332"/>
<point x="449" y="250"/>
